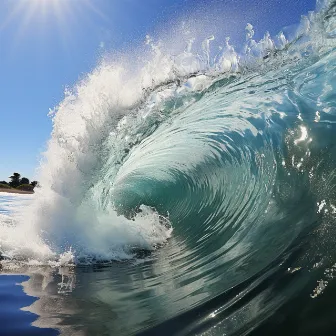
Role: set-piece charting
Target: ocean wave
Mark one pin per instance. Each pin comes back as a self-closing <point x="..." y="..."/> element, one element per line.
<point x="223" y="162"/>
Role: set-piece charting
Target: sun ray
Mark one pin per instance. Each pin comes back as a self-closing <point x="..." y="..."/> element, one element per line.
<point x="64" y="12"/>
<point x="89" y="4"/>
<point x="15" y="11"/>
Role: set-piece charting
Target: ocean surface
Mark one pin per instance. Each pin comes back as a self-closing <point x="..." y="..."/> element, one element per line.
<point x="185" y="193"/>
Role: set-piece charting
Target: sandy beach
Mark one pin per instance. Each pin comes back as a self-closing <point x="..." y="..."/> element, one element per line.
<point x="15" y="191"/>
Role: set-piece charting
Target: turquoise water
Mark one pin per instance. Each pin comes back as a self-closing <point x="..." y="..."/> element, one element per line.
<point x="196" y="196"/>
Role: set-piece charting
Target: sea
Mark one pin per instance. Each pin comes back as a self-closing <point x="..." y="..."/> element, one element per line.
<point x="191" y="193"/>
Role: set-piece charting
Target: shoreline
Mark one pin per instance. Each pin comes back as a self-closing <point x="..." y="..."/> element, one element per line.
<point x="15" y="191"/>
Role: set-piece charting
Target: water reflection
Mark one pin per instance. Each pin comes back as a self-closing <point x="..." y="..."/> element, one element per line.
<point x="120" y="299"/>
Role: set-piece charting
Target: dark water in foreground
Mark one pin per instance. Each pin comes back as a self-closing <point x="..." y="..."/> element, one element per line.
<point x="127" y="297"/>
<point x="13" y="320"/>
<point x="91" y="301"/>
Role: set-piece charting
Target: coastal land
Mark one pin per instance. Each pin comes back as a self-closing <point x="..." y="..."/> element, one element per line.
<point x="18" y="185"/>
<point x="15" y="191"/>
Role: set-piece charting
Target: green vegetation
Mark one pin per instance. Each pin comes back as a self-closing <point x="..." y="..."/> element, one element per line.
<point x="5" y="185"/>
<point x="19" y="183"/>
<point x="26" y="187"/>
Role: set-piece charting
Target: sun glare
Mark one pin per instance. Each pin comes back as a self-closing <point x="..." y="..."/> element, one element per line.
<point x="60" y="12"/>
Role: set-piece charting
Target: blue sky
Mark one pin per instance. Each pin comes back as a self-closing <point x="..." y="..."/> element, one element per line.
<point x="46" y="45"/>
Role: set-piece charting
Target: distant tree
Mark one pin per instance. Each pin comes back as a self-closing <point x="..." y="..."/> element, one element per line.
<point x="34" y="183"/>
<point x="24" y="180"/>
<point x="15" y="180"/>
<point x="26" y="187"/>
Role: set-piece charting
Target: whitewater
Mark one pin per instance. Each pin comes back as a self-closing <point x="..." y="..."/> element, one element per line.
<point x="204" y="179"/>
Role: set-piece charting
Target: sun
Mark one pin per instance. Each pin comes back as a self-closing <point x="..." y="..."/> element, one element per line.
<point x="26" y="11"/>
<point x="61" y="12"/>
